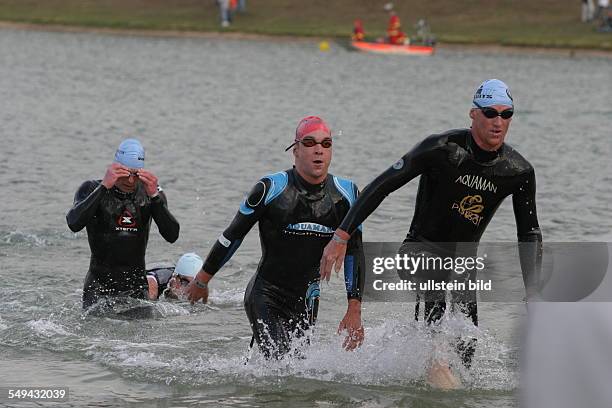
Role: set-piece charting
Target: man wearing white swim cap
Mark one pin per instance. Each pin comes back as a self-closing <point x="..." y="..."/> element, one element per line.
<point x="465" y="174"/>
<point x="171" y="281"/>
<point x="117" y="213"/>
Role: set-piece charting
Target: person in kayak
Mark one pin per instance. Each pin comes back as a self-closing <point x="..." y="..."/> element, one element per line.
<point x="117" y="212"/>
<point x="297" y="211"/>
<point x="465" y="174"/>
<point x="358" y="31"/>
<point x="395" y="35"/>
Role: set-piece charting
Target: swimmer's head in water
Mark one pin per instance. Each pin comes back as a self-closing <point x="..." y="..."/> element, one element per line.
<point x="312" y="149"/>
<point x="189" y="265"/>
<point x="131" y="154"/>
<point x="185" y="271"/>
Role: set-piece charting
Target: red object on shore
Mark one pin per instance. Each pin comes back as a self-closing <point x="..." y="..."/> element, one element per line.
<point x="385" y="48"/>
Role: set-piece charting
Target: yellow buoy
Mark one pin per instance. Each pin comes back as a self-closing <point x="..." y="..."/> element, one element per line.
<point x="324" y="46"/>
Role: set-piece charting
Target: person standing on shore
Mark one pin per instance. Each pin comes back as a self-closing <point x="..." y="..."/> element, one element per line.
<point x="588" y="10"/>
<point x="225" y="12"/>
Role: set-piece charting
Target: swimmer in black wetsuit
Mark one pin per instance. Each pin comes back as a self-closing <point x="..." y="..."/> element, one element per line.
<point x="465" y="175"/>
<point x="171" y="281"/>
<point x="117" y="213"/>
<point x="297" y="211"/>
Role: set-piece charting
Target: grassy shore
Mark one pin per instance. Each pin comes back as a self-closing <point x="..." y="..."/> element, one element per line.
<point x="541" y="23"/>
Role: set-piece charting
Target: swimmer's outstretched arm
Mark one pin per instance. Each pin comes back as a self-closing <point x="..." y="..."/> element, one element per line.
<point x="85" y="205"/>
<point x="528" y="232"/>
<point x="354" y="277"/>
<point x="251" y="209"/>
<point x="408" y="167"/>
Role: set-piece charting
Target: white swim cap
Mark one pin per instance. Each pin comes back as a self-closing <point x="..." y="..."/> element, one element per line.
<point x="189" y="265"/>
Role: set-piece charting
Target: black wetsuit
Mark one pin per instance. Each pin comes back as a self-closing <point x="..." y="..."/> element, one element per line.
<point x="460" y="188"/>
<point x="162" y="276"/>
<point x="296" y="221"/>
<point x="118" y="231"/>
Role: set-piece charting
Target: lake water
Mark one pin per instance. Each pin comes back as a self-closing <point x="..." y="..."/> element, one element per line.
<point x="214" y="116"/>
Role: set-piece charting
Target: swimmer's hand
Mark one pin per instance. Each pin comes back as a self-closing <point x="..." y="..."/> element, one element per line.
<point x="114" y="172"/>
<point x="195" y="292"/>
<point x="352" y="324"/>
<point x="150" y="182"/>
<point x="333" y="254"/>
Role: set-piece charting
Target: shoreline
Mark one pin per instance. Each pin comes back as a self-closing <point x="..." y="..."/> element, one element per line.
<point x="246" y="36"/>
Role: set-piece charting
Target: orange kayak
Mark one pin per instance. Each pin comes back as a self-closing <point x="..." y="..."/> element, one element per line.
<point x="382" y="48"/>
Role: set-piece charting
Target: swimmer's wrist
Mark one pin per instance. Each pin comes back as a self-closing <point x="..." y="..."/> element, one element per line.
<point x="203" y="277"/>
<point x="354" y="305"/>
<point x="341" y="237"/>
<point x="201" y="285"/>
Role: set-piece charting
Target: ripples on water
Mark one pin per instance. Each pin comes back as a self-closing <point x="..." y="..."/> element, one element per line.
<point x="214" y="116"/>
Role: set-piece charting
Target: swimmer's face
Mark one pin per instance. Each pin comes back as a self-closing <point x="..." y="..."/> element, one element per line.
<point x="128" y="184"/>
<point x="177" y="286"/>
<point x="313" y="162"/>
<point x="489" y="133"/>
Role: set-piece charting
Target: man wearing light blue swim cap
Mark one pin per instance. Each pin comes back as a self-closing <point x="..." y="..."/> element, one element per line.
<point x="117" y="212"/>
<point x="465" y="174"/>
<point x="491" y="100"/>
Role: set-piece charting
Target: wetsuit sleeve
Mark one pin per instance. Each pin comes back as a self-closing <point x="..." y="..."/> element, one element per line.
<point x="85" y="205"/>
<point x="251" y="209"/>
<point x="408" y="167"/>
<point x="354" y="264"/>
<point x="528" y="231"/>
<point x="166" y="223"/>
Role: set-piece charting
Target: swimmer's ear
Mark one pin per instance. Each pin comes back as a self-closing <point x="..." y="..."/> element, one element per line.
<point x="472" y="113"/>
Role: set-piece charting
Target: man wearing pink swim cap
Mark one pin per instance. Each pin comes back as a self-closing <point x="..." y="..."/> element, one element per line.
<point x="297" y="211"/>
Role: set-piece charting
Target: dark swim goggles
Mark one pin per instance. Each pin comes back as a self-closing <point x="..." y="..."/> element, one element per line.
<point x="311" y="142"/>
<point x="182" y="280"/>
<point x="491" y="113"/>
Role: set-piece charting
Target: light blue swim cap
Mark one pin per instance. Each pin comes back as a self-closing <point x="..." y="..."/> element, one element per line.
<point x="492" y="92"/>
<point x="131" y="154"/>
<point x="189" y="265"/>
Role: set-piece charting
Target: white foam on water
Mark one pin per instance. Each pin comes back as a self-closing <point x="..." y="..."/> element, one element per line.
<point x="19" y="237"/>
<point x="168" y="309"/>
<point x="234" y="297"/>
<point x="394" y="354"/>
<point x="47" y="328"/>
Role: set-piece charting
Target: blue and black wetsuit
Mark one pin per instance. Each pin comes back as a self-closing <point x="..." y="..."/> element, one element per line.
<point x="460" y="188"/>
<point x="296" y="221"/>
<point x="117" y="226"/>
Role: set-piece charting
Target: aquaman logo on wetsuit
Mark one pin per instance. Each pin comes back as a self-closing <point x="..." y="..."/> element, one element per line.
<point x="470" y="207"/>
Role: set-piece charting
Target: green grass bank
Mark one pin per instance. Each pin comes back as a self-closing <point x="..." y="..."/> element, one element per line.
<point x="541" y="23"/>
